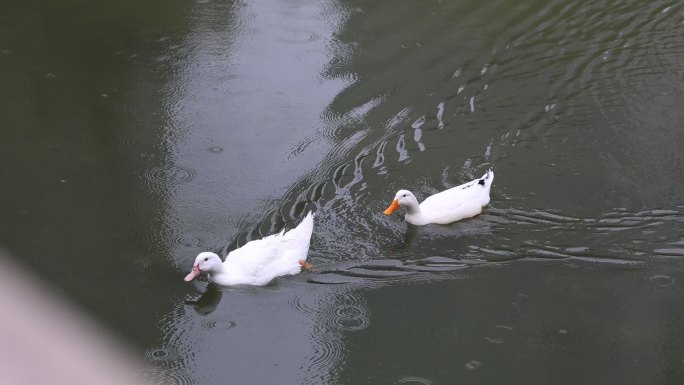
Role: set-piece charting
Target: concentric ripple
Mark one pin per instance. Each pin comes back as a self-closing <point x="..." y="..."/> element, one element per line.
<point x="161" y="376"/>
<point x="348" y="317"/>
<point x="298" y="304"/>
<point x="328" y="351"/>
<point x="218" y="324"/>
<point x="189" y="241"/>
<point x="162" y="354"/>
<point x="170" y="174"/>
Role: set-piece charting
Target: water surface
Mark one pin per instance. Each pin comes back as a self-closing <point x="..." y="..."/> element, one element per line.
<point x="137" y="135"/>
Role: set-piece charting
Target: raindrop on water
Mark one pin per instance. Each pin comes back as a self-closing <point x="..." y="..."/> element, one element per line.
<point x="167" y="376"/>
<point x="348" y="317"/>
<point x="218" y="324"/>
<point x="189" y="241"/>
<point x="161" y="354"/>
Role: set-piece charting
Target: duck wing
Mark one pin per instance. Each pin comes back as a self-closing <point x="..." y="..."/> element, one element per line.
<point x="458" y="202"/>
<point x="259" y="261"/>
<point x="247" y="261"/>
<point x="293" y="247"/>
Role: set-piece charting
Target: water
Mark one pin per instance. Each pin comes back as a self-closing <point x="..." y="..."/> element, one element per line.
<point x="137" y="135"/>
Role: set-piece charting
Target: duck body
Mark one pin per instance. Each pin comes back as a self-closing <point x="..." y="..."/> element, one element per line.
<point x="454" y="204"/>
<point x="260" y="261"/>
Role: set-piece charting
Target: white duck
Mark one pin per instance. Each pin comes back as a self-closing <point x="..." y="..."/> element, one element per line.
<point x="464" y="201"/>
<point x="260" y="261"/>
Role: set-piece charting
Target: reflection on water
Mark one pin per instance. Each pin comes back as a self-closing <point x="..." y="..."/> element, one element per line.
<point x="141" y="134"/>
<point x="208" y="301"/>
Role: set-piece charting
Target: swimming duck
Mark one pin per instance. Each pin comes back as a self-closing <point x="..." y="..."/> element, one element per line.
<point x="464" y="201"/>
<point x="259" y="261"/>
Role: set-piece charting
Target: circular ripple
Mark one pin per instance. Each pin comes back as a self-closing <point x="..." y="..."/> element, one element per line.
<point x="413" y="380"/>
<point x="328" y="351"/>
<point x="473" y="365"/>
<point x="215" y="149"/>
<point x="218" y="324"/>
<point x="297" y="303"/>
<point x="161" y="354"/>
<point x="170" y="174"/>
<point x="189" y="241"/>
<point x="352" y="324"/>
<point x="349" y="312"/>
<point x="159" y="376"/>
<point x="348" y="317"/>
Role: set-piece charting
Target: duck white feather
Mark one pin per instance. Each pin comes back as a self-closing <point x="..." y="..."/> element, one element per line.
<point x="454" y="204"/>
<point x="258" y="262"/>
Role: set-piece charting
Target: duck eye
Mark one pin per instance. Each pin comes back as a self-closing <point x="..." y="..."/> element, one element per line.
<point x="404" y="195"/>
<point x="206" y="259"/>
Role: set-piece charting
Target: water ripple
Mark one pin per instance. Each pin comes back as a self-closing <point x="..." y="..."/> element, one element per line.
<point x="190" y="241"/>
<point x="617" y="236"/>
<point x="413" y="380"/>
<point x="375" y="272"/>
<point x="670" y="252"/>
<point x="609" y="222"/>
<point x="297" y="302"/>
<point x="169" y="175"/>
<point x="162" y="354"/>
<point x="218" y="324"/>
<point x="328" y="352"/>
<point x="662" y="280"/>
<point x="348" y="318"/>
<point x="348" y="313"/>
<point x="164" y="376"/>
<point x="341" y="311"/>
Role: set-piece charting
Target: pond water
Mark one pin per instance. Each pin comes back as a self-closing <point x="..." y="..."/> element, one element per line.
<point x="139" y="134"/>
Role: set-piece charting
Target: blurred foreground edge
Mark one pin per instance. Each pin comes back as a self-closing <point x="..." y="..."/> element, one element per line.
<point x="45" y="340"/>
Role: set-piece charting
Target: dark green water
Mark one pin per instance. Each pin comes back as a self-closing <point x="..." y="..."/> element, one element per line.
<point x="136" y="135"/>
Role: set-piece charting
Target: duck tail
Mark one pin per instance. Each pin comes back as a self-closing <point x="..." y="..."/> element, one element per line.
<point x="487" y="179"/>
<point x="303" y="229"/>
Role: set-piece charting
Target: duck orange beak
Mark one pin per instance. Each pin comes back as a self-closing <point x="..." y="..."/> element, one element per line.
<point x="392" y="207"/>
<point x="194" y="273"/>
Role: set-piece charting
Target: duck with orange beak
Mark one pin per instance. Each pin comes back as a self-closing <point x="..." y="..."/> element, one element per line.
<point x="454" y="204"/>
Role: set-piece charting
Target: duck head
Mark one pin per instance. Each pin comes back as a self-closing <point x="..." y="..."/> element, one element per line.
<point x="206" y="262"/>
<point x="403" y="198"/>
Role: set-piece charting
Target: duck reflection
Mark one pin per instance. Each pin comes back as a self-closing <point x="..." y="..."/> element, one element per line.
<point x="208" y="301"/>
<point x="407" y="239"/>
